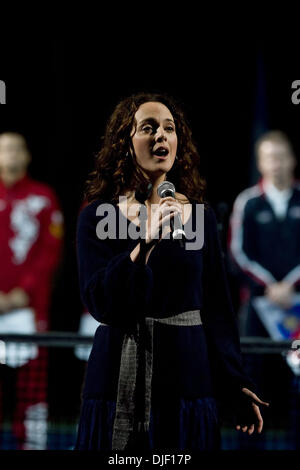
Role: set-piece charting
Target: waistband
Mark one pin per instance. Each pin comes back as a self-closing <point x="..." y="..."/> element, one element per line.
<point x="135" y="375"/>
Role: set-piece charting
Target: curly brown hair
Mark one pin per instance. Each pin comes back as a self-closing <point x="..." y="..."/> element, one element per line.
<point x="116" y="172"/>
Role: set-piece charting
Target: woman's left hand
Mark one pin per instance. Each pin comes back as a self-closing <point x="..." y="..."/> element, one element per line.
<point x="250" y="418"/>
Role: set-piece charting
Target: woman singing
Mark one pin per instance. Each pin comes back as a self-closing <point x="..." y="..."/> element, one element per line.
<point x="166" y="354"/>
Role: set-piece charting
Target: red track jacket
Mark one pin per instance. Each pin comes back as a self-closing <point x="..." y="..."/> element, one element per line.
<point x="31" y="232"/>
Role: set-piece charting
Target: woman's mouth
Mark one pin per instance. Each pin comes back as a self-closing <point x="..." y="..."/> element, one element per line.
<point x="161" y="158"/>
<point x="160" y="153"/>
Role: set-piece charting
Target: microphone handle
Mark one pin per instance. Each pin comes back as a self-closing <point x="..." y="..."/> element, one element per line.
<point x="177" y="232"/>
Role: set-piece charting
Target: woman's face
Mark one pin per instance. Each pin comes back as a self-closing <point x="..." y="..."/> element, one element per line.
<point x="154" y="139"/>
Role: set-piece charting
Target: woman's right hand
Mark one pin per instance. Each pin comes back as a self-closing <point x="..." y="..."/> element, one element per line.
<point x="155" y="225"/>
<point x="161" y="213"/>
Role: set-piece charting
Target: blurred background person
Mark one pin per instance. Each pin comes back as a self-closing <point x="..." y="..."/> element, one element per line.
<point x="31" y="235"/>
<point x="264" y="245"/>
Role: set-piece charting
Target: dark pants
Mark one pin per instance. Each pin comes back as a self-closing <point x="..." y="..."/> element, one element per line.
<point x="23" y="402"/>
<point x="271" y="374"/>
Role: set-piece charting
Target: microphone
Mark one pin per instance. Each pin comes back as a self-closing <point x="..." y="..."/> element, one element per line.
<point x="165" y="189"/>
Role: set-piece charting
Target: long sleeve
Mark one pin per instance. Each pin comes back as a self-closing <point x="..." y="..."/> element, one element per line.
<point x="113" y="288"/>
<point x="218" y="317"/>
<point x="47" y="249"/>
<point x="242" y="243"/>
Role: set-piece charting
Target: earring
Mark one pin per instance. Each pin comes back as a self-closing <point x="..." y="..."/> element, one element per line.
<point x="176" y="158"/>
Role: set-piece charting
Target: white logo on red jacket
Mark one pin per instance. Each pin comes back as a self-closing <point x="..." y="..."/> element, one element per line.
<point x="25" y="225"/>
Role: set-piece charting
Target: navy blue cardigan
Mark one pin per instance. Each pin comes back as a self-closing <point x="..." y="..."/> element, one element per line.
<point x="189" y="361"/>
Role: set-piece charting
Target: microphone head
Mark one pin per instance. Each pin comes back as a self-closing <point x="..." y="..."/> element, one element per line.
<point x="165" y="189"/>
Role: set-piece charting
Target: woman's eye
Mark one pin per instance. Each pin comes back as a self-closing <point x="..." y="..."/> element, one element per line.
<point x="170" y="129"/>
<point x="147" y="129"/>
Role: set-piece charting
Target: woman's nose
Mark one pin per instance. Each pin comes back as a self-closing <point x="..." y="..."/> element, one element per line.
<point x="160" y="134"/>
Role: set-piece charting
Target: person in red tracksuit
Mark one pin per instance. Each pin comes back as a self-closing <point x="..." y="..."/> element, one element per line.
<point x="31" y="235"/>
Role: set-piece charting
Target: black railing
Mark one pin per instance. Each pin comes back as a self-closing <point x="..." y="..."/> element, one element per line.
<point x="251" y="344"/>
<point x="52" y="393"/>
